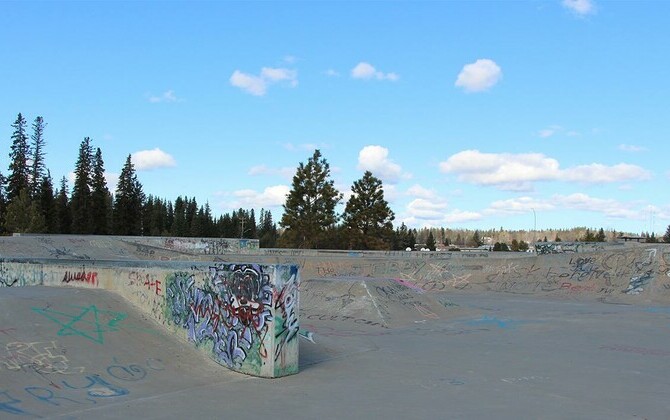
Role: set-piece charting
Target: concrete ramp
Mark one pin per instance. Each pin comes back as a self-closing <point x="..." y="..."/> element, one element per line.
<point x="370" y="302"/>
<point x="74" y="351"/>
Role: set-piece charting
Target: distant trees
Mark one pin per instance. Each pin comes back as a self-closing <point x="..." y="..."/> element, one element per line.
<point x="666" y="237"/>
<point x="310" y="205"/>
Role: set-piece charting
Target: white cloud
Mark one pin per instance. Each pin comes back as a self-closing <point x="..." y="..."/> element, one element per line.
<point x="631" y="148"/>
<point x="278" y="74"/>
<point x="421" y="208"/>
<point x="518" y="205"/>
<point x="331" y="73"/>
<point x="580" y="7"/>
<point x="152" y="159"/>
<point x="248" y="83"/>
<point x="549" y="131"/>
<point x="274" y="196"/>
<point x="596" y="173"/>
<point x="167" y="96"/>
<point x="479" y="76"/>
<point x="418" y="191"/>
<point x="609" y="207"/>
<point x="285" y="172"/>
<point x="375" y="159"/>
<point x="258" y="85"/>
<point x="517" y="172"/>
<point x="367" y="71"/>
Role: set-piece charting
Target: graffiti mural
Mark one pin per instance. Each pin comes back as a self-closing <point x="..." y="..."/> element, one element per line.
<point x="233" y="312"/>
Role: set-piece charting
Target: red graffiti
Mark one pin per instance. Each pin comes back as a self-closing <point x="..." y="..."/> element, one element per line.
<point x="154" y="285"/>
<point x="90" y="277"/>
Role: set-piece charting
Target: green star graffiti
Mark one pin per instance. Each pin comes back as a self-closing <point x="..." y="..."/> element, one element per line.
<point x="90" y="322"/>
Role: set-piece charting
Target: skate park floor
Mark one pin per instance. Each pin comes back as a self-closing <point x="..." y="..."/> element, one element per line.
<point x="79" y="353"/>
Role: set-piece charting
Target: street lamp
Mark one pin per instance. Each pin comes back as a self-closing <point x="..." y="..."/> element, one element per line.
<point x="534" y="223"/>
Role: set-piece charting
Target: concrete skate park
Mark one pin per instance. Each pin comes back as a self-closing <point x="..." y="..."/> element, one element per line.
<point x="105" y="327"/>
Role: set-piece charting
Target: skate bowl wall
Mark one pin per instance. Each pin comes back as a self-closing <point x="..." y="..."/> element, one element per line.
<point x="243" y="315"/>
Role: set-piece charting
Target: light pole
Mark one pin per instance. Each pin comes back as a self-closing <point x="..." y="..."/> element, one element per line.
<point x="534" y="223"/>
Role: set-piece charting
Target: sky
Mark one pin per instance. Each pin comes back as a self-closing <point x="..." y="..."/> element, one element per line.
<point x="474" y="114"/>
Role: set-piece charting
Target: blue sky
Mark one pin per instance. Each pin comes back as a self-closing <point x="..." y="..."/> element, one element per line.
<point x="477" y="115"/>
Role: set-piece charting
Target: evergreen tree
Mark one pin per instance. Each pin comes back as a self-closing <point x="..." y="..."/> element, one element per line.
<point x="19" y="172"/>
<point x="600" y="237"/>
<point x="99" y="196"/>
<point x="666" y="237"/>
<point x="47" y="203"/>
<point x="267" y="230"/>
<point x="128" y="202"/>
<point x="81" y="191"/>
<point x="310" y="205"/>
<point x="179" y="219"/>
<point x="367" y="215"/>
<point x="63" y="210"/>
<point x="430" y="241"/>
<point x="37" y="169"/>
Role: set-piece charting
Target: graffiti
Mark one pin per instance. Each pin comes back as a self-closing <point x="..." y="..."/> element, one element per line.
<point x="399" y="294"/>
<point x="637" y="283"/>
<point x="147" y="280"/>
<point x="90" y="322"/>
<point x="636" y="350"/>
<point x="90" y="277"/>
<point x="6" y="331"/>
<point x="17" y="274"/>
<point x="40" y="357"/>
<point x="286" y="304"/>
<point x="79" y="389"/>
<point x="233" y="311"/>
<point x="65" y="252"/>
<point x="145" y="251"/>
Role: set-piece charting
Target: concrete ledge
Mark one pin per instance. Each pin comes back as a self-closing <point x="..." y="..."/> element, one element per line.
<point x="244" y="316"/>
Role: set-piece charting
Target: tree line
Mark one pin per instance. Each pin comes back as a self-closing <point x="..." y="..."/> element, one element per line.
<point x="29" y="203"/>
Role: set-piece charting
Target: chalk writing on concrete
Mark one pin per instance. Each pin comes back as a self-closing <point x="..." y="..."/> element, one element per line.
<point x="40" y="357"/>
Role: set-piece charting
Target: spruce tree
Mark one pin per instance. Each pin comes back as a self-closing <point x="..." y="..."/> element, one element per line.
<point x="37" y="155"/>
<point x="99" y="196"/>
<point x="310" y="205"/>
<point x="367" y="215"/>
<point x="129" y="200"/>
<point x="666" y="237"/>
<point x="63" y="210"/>
<point x="47" y="202"/>
<point x="19" y="172"/>
<point x="430" y="241"/>
<point x="81" y="191"/>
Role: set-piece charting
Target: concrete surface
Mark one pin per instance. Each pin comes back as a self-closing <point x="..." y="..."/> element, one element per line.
<point x="505" y="339"/>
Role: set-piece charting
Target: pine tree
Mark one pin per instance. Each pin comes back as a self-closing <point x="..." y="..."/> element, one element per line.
<point x="367" y="215"/>
<point x="47" y="202"/>
<point x="19" y="172"/>
<point x="81" y="191"/>
<point x="99" y="196"/>
<point x="37" y="156"/>
<point x="601" y="237"/>
<point x="267" y="230"/>
<point x="430" y="241"/>
<point x="129" y="200"/>
<point x="179" y="220"/>
<point x="63" y="210"/>
<point x="666" y="237"/>
<point x="310" y="205"/>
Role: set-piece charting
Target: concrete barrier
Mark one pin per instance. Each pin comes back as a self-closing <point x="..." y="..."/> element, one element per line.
<point x="244" y="316"/>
